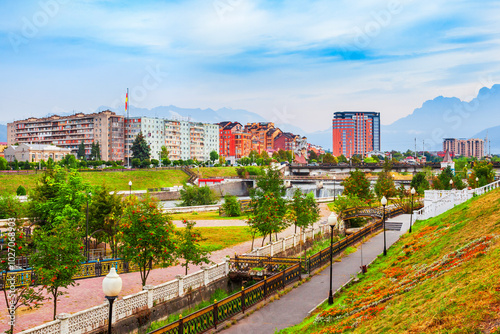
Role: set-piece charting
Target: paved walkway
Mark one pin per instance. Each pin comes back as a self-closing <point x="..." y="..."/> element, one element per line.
<point x="293" y="307"/>
<point x="88" y="292"/>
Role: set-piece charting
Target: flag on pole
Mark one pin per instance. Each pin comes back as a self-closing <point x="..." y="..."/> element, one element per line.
<point x="126" y="101"/>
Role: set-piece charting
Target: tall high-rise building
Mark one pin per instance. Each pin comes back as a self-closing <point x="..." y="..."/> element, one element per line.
<point x="465" y="147"/>
<point x="355" y="132"/>
<point x="104" y="127"/>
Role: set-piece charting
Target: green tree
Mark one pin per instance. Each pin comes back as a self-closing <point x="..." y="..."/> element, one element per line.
<point x="329" y="159"/>
<point x="21" y="191"/>
<point x="95" y="151"/>
<point x="59" y="195"/>
<point x="57" y="257"/>
<point x="214" y="156"/>
<point x="303" y="209"/>
<point x="342" y="159"/>
<point x="11" y="207"/>
<point x="356" y="159"/>
<point x="140" y="148"/>
<point x="105" y="212"/>
<point x="385" y="185"/>
<point x="442" y="181"/>
<point x="189" y="247"/>
<point x="312" y="155"/>
<point x="146" y="235"/>
<point x="26" y="296"/>
<point x="4" y="164"/>
<point x="194" y="195"/>
<point x="358" y="185"/>
<point x="231" y="207"/>
<point x="268" y="207"/>
<point x="484" y="172"/>
<point x="164" y="153"/>
<point x="420" y="182"/>
<point x="81" y="151"/>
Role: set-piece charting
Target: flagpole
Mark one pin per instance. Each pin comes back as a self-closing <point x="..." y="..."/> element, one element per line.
<point x="127" y="132"/>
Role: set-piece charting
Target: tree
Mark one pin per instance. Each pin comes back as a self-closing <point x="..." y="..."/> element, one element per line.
<point x="484" y="172"/>
<point x="164" y="153"/>
<point x="231" y="206"/>
<point x="304" y="209"/>
<point x="4" y="164"/>
<point x="385" y="185"/>
<point x="357" y="184"/>
<point x="21" y="191"/>
<point x="57" y="257"/>
<point x="140" y="148"/>
<point x="59" y="195"/>
<point x="189" y="247"/>
<point x="26" y="296"/>
<point x="146" y="235"/>
<point x="442" y="181"/>
<point x="268" y="207"/>
<point x="356" y="159"/>
<point x="312" y="155"/>
<point x="214" y="156"/>
<point x="11" y="207"/>
<point x="95" y="151"/>
<point x="419" y="182"/>
<point x="105" y="211"/>
<point x="81" y="151"/>
<point x="329" y="159"/>
<point x="342" y="159"/>
<point x="195" y="195"/>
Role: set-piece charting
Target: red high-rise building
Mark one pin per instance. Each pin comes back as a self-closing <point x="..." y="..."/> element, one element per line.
<point x="355" y="132"/>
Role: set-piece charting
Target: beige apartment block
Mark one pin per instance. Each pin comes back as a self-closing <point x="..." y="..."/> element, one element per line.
<point x="35" y="152"/>
<point x="68" y="132"/>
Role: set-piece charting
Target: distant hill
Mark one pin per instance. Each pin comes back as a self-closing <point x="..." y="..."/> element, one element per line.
<point x="3" y="133"/>
<point x="444" y="117"/>
<point x="493" y="137"/>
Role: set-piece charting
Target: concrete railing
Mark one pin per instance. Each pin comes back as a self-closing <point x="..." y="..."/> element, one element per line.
<point x="437" y="202"/>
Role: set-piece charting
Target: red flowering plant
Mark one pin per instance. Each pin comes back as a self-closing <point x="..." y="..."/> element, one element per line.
<point x="367" y="302"/>
<point x="146" y="236"/>
<point x="16" y="245"/>
<point x="189" y="247"/>
<point x="57" y="258"/>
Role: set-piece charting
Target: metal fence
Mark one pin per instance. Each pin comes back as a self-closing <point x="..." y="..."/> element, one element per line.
<point x="209" y="317"/>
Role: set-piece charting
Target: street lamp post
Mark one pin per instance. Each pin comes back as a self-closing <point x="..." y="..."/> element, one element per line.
<point x="87" y="230"/>
<point x="411" y="211"/>
<point x="130" y="187"/>
<point x="332" y="221"/>
<point x="384" y="203"/>
<point x="477" y="182"/>
<point x="111" y="286"/>
<point x="451" y="184"/>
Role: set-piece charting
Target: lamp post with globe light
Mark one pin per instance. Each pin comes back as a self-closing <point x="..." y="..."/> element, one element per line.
<point x="130" y="187"/>
<point x="412" y="191"/>
<point x="383" y="201"/>
<point x="111" y="286"/>
<point x="332" y="221"/>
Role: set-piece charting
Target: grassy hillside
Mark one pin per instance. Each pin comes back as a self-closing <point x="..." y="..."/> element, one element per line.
<point x="141" y="179"/>
<point x="216" y="171"/>
<point x="442" y="278"/>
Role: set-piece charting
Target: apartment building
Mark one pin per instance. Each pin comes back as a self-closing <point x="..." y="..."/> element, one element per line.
<point x="465" y="147"/>
<point x="68" y="132"/>
<point x="286" y="141"/>
<point x="355" y="132"/>
<point x="173" y="139"/>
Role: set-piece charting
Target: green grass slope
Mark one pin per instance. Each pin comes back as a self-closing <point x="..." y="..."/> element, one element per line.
<point x="442" y="278"/>
<point x="141" y="179"/>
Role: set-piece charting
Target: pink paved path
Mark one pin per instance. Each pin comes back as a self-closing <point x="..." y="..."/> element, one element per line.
<point x="88" y="292"/>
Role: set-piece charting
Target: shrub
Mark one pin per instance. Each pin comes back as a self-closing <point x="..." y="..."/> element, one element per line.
<point x="21" y="191"/>
<point x="195" y="195"/>
<point x="231" y="206"/>
<point x="241" y="171"/>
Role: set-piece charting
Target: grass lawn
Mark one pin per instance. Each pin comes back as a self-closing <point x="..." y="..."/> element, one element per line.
<point x="441" y="278"/>
<point x="210" y="215"/>
<point x="141" y="180"/>
<point x="223" y="237"/>
<point x="216" y="171"/>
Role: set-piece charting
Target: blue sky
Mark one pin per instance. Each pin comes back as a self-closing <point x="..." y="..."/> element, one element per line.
<point x="308" y="58"/>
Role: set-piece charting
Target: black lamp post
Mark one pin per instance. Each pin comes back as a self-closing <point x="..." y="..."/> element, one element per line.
<point x="412" y="191"/>
<point x="87" y="229"/>
<point x="130" y="187"/>
<point x="332" y="221"/>
<point x="334" y="179"/>
<point x="111" y="286"/>
<point x="384" y="203"/>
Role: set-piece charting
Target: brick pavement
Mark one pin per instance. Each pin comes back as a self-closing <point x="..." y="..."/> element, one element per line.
<point x="88" y="292"/>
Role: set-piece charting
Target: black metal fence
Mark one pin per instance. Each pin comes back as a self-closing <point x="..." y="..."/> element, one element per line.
<point x="209" y="317"/>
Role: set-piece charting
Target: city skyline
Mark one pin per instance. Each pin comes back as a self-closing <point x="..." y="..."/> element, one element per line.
<point x="291" y="63"/>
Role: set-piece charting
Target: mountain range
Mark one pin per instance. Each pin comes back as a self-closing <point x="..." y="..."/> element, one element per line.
<point x="442" y="117"/>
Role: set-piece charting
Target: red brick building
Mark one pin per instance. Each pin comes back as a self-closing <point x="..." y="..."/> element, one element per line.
<point x="355" y="132"/>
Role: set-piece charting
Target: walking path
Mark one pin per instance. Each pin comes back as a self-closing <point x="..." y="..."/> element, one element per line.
<point x="88" y="292"/>
<point x="293" y="307"/>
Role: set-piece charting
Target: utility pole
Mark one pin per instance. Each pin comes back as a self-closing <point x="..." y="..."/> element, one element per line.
<point x="415" y="148"/>
<point x="127" y="132"/>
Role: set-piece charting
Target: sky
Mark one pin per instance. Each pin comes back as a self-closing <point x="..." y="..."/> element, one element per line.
<point x="298" y="61"/>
